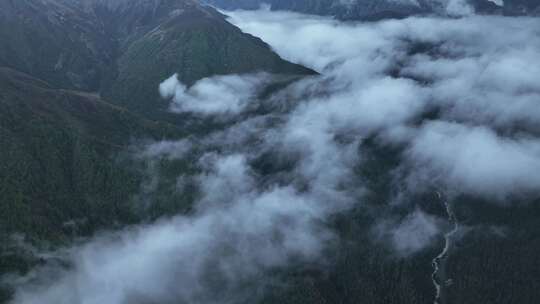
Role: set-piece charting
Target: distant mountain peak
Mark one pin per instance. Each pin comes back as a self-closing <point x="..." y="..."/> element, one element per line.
<point x="382" y="9"/>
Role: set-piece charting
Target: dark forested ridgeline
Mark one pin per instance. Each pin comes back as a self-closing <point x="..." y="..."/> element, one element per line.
<point x="124" y="49"/>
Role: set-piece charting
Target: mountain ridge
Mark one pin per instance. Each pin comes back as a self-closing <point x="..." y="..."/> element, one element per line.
<point x="124" y="49"/>
<point x="372" y="10"/>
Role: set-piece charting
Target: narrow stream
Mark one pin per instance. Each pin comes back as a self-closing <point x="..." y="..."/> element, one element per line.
<point x="439" y="279"/>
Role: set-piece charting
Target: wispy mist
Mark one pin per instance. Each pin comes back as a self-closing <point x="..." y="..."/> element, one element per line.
<point x="229" y="94"/>
<point x="477" y="75"/>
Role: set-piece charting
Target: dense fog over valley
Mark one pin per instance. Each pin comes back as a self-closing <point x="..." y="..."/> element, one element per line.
<point x="385" y="77"/>
<point x="408" y="128"/>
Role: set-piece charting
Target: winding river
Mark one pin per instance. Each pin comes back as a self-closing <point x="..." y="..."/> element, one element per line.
<point x="439" y="279"/>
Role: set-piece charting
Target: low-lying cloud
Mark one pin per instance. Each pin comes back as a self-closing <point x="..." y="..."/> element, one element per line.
<point x="477" y="74"/>
<point x="476" y="160"/>
<point x="210" y="257"/>
<point x="410" y="235"/>
<point x="228" y="94"/>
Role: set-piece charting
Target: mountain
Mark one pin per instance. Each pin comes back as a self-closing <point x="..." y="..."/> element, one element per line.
<point x="58" y="160"/>
<point x="184" y="38"/>
<point x="61" y="174"/>
<point x="72" y="75"/>
<point x="78" y="89"/>
<point x="124" y="49"/>
<point x="380" y="9"/>
<point x="55" y="41"/>
<point x="363" y="9"/>
<point x="84" y="147"/>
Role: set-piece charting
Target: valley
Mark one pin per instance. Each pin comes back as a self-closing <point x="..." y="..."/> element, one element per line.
<point x="166" y="151"/>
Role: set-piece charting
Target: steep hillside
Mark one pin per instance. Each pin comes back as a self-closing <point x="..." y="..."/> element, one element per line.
<point x="59" y="158"/>
<point x="63" y="64"/>
<point x="65" y="67"/>
<point x="185" y="38"/>
<point x="54" y="41"/>
<point x="124" y="49"/>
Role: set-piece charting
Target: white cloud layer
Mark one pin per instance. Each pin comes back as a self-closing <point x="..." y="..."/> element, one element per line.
<point x="238" y="235"/>
<point x="229" y="94"/>
<point x="382" y="78"/>
<point x="477" y="160"/>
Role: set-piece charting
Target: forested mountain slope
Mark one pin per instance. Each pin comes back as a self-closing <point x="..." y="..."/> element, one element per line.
<point x="60" y="144"/>
<point x="124" y="49"/>
<point x="79" y="86"/>
<point x="61" y="171"/>
<point x="58" y="159"/>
